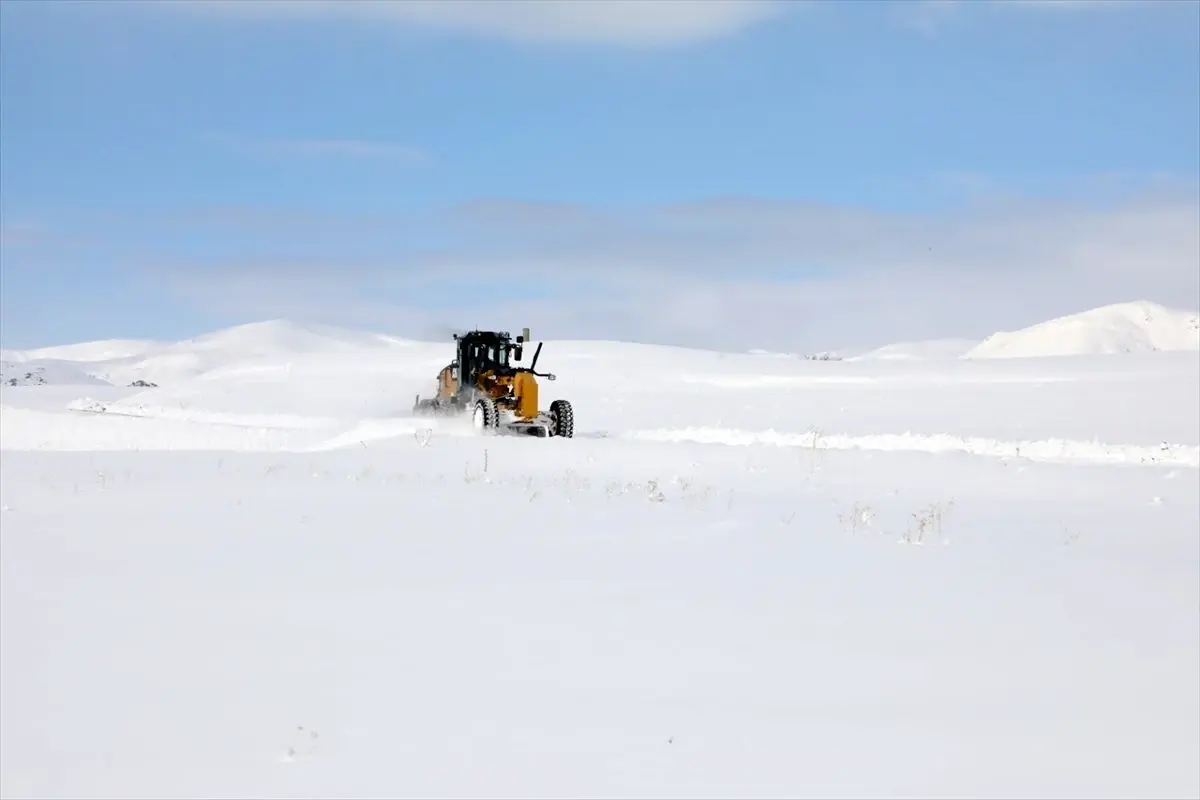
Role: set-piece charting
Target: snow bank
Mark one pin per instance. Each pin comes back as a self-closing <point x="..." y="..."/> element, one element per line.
<point x="1050" y="450"/>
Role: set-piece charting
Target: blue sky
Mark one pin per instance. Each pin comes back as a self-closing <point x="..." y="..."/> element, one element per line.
<point x="795" y="175"/>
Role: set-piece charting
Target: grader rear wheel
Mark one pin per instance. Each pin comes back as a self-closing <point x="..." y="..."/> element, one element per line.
<point x="562" y="419"/>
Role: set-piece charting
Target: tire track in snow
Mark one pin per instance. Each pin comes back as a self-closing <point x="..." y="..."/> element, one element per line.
<point x="79" y="431"/>
<point x="1056" y="451"/>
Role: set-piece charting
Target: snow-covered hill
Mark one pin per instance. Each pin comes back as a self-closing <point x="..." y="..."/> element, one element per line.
<point x="1136" y="327"/>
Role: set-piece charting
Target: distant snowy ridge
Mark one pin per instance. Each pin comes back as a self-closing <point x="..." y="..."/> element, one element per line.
<point x="275" y="337"/>
<point x="914" y="351"/>
<point x="247" y="352"/>
<point x="122" y="362"/>
<point x="84" y="352"/>
<point x="1138" y="327"/>
<point x="43" y="372"/>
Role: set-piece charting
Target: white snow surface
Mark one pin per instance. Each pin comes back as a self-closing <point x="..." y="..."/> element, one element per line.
<point x="1136" y="327"/>
<point x="745" y="577"/>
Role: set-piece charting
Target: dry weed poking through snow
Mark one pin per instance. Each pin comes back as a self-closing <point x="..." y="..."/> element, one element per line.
<point x="924" y="524"/>
<point x="927" y="523"/>
<point x="858" y="518"/>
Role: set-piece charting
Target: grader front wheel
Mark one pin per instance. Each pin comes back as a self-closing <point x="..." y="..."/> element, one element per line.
<point x="562" y="419"/>
<point x="485" y="417"/>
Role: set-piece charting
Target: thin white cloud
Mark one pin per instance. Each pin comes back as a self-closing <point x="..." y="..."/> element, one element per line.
<point x="746" y="273"/>
<point x="649" y="23"/>
<point x="395" y="152"/>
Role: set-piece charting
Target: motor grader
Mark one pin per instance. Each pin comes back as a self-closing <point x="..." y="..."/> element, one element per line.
<point x="501" y="397"/>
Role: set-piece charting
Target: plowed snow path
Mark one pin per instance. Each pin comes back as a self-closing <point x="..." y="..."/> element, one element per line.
<point x="1061" y="451"/>
<point x="101" y="428"/>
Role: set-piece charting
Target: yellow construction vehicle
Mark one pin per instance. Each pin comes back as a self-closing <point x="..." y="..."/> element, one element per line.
<point x="484" y="380"/>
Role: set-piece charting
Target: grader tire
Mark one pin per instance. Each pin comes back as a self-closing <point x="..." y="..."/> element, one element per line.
<point x="562" y="419"/>
<point x="485" y="416"/>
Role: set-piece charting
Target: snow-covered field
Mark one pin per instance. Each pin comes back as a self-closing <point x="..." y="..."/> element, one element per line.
<point x="748" y="576"/>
